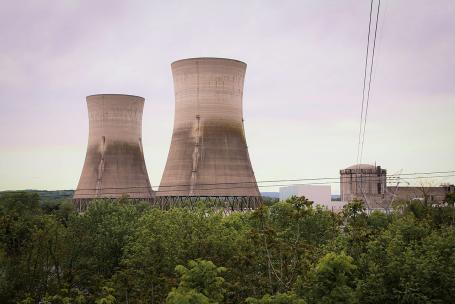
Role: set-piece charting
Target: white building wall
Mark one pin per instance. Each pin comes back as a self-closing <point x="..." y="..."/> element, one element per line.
<point x="319" y="194"/>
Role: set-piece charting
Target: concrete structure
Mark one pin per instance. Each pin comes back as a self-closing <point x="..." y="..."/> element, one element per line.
<point x="208" y="156"/>
<point x="319" y="194"/>
<point x="114" y="163"/>
<point x="363" y="181"/>
<point x="423" y="193"/>
<point x="369" y="183"/>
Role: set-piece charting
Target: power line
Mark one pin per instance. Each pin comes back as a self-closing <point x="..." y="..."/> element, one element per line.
<point x="392" y="176"/>
<point x="364" y="81"/>
<point x="240" y="187"/>
<point x="274" y="181"/>
<point x="231" y="185"/>
<point x="369" y="82"/>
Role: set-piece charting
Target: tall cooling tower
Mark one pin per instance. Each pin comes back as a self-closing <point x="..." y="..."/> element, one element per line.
<point x="208" y="156"/>
<point x="114" y="162"/>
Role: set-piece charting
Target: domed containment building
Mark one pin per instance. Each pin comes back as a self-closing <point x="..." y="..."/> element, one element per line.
<point x="114" y="162"/>
<point x="208" y="156"/>
<point x="369" y="184"/>
<point x="363" y="181"/>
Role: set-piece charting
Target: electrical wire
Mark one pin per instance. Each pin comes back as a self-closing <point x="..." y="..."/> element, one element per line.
<point x="369" y="81"/>
<point x="169" y="192"/>
<point x="391" y="179"/>
<point x="364" y="81"/>
<point x="393" y="176"/>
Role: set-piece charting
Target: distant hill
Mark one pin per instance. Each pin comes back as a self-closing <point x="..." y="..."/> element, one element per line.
<point x="271" y="194"/>
<point x="62" y="194"/>
<point x="46" y="195"/>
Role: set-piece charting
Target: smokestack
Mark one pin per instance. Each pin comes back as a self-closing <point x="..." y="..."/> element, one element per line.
<point x="208" y="155"/>
<point x="114" y="162"/>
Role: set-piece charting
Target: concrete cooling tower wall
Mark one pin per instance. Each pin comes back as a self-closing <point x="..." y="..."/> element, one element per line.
<point x="208" y="155"/>
<point x="114" y="162"/>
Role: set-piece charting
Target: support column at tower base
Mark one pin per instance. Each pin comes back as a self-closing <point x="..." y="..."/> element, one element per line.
<point x="227" y="203"/>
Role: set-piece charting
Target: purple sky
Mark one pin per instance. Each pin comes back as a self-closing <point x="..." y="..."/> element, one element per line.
<point x="303" y="84"/>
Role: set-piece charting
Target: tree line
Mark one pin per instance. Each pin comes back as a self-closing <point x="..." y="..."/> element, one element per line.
<point x="284" y="252"/>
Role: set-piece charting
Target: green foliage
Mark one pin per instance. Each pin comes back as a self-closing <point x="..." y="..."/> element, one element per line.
<point x="106" y="296"/>
<point x="332" y="280"/>
<point x="190" y="296"/>
<point x="450" y="198"/>
<point x="19" y="202"/>
<point x="408" y="263"/>
<point x="354" y="212"/>
<point x="287" y="237"/>
<point x="65" y="296"/>
<point x="279" y="298"/>
<point x="201" y="283"/>
<point x="284" y="252"/>
<point x="163" y="240"/>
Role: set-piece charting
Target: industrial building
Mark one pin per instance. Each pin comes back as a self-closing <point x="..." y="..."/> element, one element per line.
<point x="369" y="183"/>
<point x="319" y="194"/>
<point x="114" y="163"/>
<point x="208" y="156"/>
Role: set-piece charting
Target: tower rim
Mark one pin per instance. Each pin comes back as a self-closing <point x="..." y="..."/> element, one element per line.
<point x="115" y="94"/>
<point x="208" y="58"/>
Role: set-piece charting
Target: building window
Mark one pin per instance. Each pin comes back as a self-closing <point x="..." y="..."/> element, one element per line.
<point x="379" y="188"/>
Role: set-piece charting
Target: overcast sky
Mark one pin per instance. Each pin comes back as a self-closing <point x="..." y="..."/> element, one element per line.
<point x="303" y="85"/>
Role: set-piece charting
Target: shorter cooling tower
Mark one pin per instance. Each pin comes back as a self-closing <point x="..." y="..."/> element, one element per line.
<point x="208" y="156"/>
<point x="114" y="163"/>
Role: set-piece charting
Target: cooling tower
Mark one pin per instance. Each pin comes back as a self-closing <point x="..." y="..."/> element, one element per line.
<point x="208" y="156"/>
<point x="114" y="162"/>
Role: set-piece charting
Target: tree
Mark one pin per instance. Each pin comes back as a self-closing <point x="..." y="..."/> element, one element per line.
<point x="450" y="200"/>
<point x="65" y="296"/>
<point x="279" y="298"/>
<point x="332" y="280"/>
<point x="30" y="248"/>
<point x="200" y="283"/>
<point x="409" y="262"/>
<point x="286" y="237"/>
<point x="106" y="296"/>
<point x="288" y="252"/>
<point x="354" y="210"/>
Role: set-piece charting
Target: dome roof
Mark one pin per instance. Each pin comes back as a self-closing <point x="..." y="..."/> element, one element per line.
<point x="362" y="166"/>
